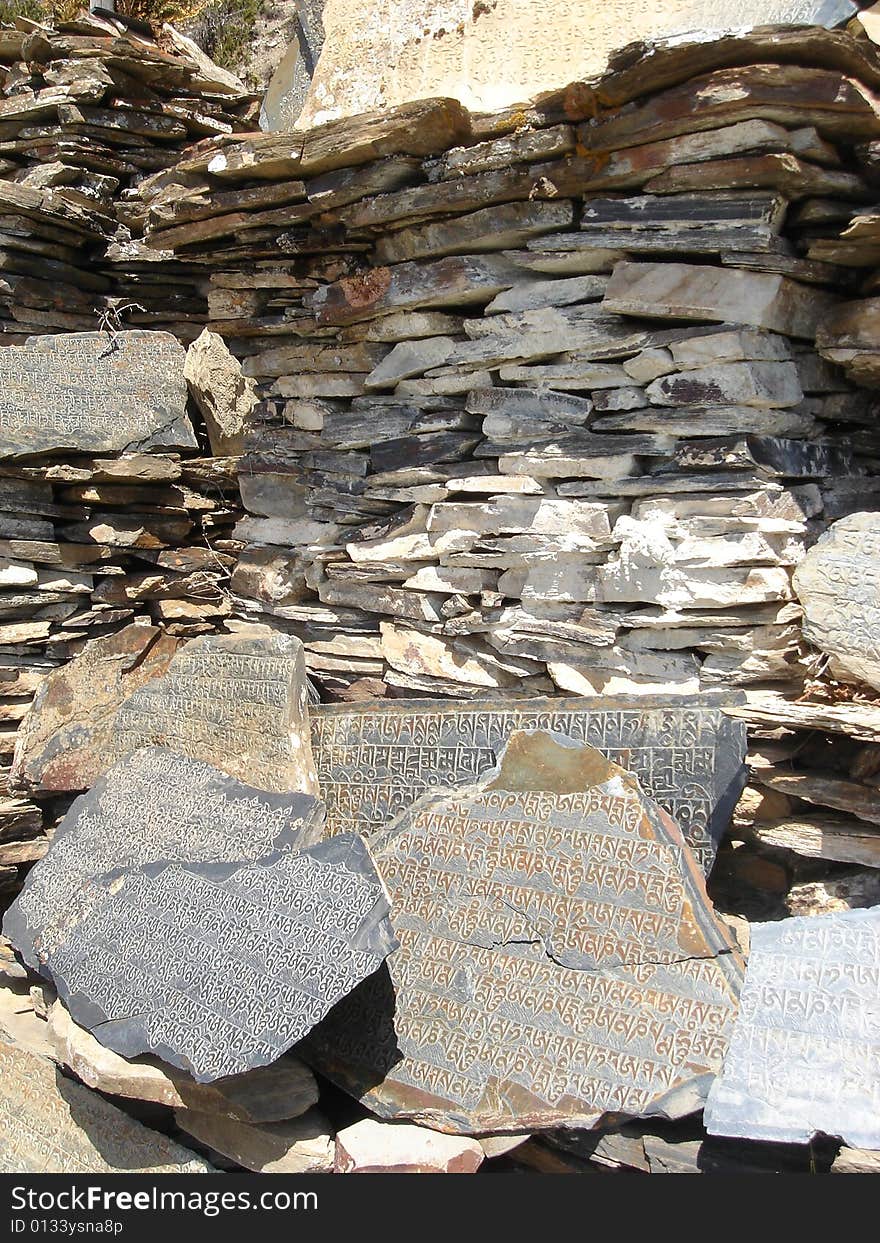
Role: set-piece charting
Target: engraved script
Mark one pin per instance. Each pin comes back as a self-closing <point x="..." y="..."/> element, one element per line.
<point x="805" y="1052"/>
<point x="93" y="392"/>
<point x="374" y="761"/>
<point x="558" y="960"/>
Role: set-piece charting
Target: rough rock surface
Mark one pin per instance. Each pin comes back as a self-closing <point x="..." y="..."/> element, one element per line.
<point x="838" y="583"/>
<point x="235" y="701"/>
<point x="224" y="396"/>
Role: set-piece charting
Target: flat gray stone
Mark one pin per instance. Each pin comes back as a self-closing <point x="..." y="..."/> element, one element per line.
<point x="93" y="392"/>
<point x="155" y="808"/>
<point x="805" y="1050"/>
<point x="215" y="967"/>
<point x="837" y="585"/>
<point x="375" y="760"/>
<point x="559" y="960"/>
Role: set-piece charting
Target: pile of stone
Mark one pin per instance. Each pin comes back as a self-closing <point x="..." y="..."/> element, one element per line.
<point x="493" y="937"/>
<point x="541" y="405"/>
<point x="110" y="518"/>
<point x="86" y="110"/>
<point x="549" y="434"/>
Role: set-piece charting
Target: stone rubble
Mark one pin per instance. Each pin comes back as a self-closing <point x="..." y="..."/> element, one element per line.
<point x="557" y="420"/>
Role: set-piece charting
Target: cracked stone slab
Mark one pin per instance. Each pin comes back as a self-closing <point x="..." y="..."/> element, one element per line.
<point x="559" y="959"/>
<point x="238" y="702"/>
<point x="192" y="926"/>
<point x="51" y="1125"/>
<point x="804" y="1054"/>
<point x="94" y="392"/>
<point x="837" y="584"/>
<point x="374" y="760"/>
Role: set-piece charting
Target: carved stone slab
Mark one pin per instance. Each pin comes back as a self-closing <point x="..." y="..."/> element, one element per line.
<point x="559" y="959"/>
<point x="805" y="1052"/>
<point x="51" y="1125"/>
<point x="838" y="583"/>
<point x="155" y="807"/>
<point x="374" y="760"/>
<point x="95" y="392"/>
<point x="217" y="967"/>
<point x="235" y="701"/>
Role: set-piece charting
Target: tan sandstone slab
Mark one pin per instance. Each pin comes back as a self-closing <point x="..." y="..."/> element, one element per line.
<point x="235" y="701"/>
<point x="50" y="1125"/>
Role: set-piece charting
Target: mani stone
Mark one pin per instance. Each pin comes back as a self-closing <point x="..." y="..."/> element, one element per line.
<point x="235" y="701"/>
<point x="804" y="1056"/>
<point x="93" y="392"/>
<point x="50" y="1125"/>
<point x="495" y="54"/>
<point x="838" y="584"/>
<point x="153" y="809"/>
<point x="71" y="719"/>
<point x="559" y="959"/>
<point x="374" y="760"/>
<point x="214" y="967"/>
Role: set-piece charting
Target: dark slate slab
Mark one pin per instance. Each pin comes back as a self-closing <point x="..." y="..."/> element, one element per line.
<point x="805" y="1050"/>
<point x="93" y="392"/>
<point x="374" y="760"/>
<point x="156" y="807"/>
<point x="177" y="914"/>
<point x="559" y="959"/>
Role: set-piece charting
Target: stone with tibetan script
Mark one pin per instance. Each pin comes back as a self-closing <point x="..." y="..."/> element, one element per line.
<point x="235" y="701"/>
<point x="837" y="584"/>
<point x="51" y="1125"/>
<point x="559" y="959"/>
<point x="155" y="808"/>
<point x="375" y="760"/>
<point x="804" y="1055"/>
<point x="93" y="392"/>
<point x="218" y="967"/>
<point x="70" y="720"/>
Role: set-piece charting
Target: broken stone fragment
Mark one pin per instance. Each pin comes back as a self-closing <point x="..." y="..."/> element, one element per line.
<point x="70" y="724"/>
<point x="300" y="1146"/>
<point x="93" y="392"/>
<point x="371" y="1147"/>
<point x="837" y="585"/>
<point x="235" y="701"/>
<point x="556" y="949"/>
<point x="803" y="1052"/>
<point x="225" y="397"/>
